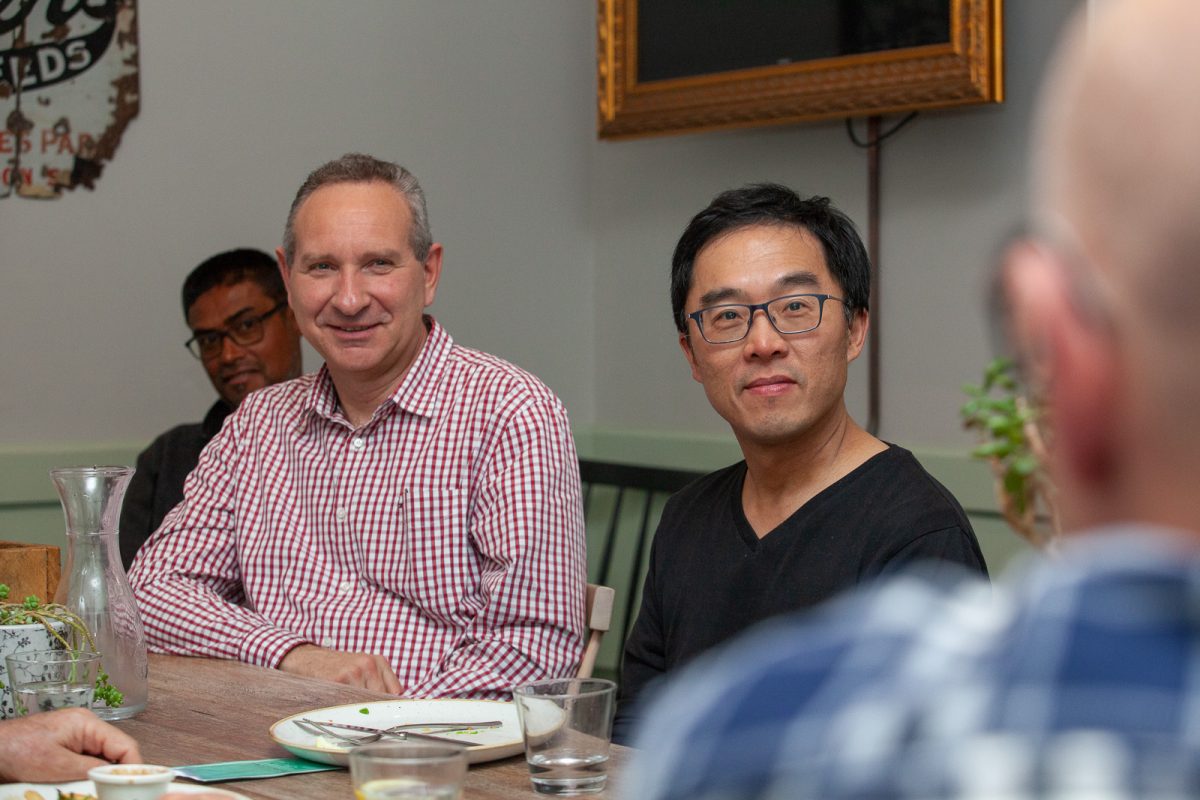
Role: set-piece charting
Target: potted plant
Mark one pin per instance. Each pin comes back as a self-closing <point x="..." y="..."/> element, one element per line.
<point x="1011" y="441"/>
<point x="32" y="625"/>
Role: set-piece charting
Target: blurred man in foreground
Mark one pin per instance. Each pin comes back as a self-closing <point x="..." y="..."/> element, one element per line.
<point x="407" y="519"/>
<point x="1081" y="679"/>
<point x="246" y="337"/>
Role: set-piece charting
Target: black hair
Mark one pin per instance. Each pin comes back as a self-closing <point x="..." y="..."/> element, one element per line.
<point x="773" y="204"/>
<point x="234" y="266"/>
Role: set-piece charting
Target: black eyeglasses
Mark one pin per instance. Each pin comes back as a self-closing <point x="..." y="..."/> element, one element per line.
<point x="792" y="313"/>
<point x="246" y="331"/>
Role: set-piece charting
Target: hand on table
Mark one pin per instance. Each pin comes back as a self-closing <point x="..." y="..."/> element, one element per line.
<point x="364" y="670"/>
<point x="61" y="746"/>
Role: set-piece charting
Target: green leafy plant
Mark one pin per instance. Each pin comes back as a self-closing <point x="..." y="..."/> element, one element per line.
<point x="1011" y="442"/>
<point x="32" y="610"/>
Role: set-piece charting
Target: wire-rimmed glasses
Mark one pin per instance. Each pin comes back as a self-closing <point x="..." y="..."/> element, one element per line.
<point x="730" y="322"/>
<point x="246" y="331"/>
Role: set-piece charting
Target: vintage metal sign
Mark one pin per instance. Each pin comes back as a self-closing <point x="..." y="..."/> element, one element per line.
<point x="68" y="88"/>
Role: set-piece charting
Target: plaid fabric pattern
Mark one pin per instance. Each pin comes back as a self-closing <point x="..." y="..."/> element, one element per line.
<point x="445" y="534"/>
<point x="1080" y="678"/>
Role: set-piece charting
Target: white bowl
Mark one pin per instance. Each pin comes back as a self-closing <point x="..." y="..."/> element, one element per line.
<point x="131" y="781"/>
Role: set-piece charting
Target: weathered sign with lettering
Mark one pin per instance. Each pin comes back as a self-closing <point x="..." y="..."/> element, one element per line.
<point x="68" y="88"/>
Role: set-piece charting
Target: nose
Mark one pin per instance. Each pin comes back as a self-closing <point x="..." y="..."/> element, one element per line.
<point x="230" y="350"/>
<point x="763" y="341"/>
<point x="349" y="297"/>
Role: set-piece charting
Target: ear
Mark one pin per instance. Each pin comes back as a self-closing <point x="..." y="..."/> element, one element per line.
<point x="283" y="270"/>
<point x="860" y="323"/>
<point x="685" y="344"/>
<point x="289" y="320"/>
<point x="1071" y="364"/>
<point x="433" y="272"/>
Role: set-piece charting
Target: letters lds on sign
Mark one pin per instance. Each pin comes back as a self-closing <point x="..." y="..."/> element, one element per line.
<point x="68" y="89"/>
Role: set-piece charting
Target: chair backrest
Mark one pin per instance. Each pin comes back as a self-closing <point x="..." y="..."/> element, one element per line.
<point x="622" y="504"/>
<point x="599" y="618"/>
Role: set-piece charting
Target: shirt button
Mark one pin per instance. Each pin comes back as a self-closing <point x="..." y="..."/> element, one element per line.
<point x="341" y="514"/>
<point x="357" y="443"/>
<point x="345" y="586"/>
<point x="327" y="642"/>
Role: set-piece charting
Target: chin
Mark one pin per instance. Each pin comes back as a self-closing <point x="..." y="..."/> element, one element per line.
<point x="776" y="431"/>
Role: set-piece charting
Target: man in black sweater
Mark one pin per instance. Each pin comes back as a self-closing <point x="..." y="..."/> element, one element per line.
<point x="244" y="334"/>
<point x="818" y="504"/>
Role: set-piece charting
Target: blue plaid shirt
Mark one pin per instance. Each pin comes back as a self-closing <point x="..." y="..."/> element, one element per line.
<point x="1079" y="678"/>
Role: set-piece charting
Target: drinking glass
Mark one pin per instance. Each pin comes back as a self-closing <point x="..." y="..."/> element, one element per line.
<point x="567" y="725"/>
<point x="408" y="771"/>
<point x="45" y="680"/>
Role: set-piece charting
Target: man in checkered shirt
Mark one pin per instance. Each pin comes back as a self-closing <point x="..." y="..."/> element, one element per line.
<point x="407" y="519"/>
<point x="1080" y="677"/>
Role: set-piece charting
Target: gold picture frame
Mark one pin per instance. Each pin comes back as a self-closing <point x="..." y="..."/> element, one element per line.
<point x="968" y="69"/>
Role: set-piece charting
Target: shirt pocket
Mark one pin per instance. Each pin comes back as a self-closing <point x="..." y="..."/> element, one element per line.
<point x="429" y="560"/>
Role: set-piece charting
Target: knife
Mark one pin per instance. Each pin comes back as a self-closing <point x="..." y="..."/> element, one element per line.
<point x="402" y="734"/>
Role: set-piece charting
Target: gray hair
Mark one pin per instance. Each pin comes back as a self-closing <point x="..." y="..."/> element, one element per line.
<point x="362" y="168"/>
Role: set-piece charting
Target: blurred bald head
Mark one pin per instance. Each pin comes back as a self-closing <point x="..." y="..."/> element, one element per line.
<point x="1116" y="149"/>
<point x="1108" y="311"/>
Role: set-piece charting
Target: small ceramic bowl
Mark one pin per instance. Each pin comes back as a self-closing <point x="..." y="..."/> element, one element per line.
<point x="131" y="781"/>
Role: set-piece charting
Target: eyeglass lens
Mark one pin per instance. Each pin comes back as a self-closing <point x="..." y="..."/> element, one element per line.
<point x="243" y="332"/>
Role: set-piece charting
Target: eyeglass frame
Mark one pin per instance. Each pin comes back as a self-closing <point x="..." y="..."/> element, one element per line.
<point x="226" y="333"/>
<point x="753" y="307"/>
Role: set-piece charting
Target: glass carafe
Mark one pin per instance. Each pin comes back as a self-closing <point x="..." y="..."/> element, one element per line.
<point x="94" y="585"/>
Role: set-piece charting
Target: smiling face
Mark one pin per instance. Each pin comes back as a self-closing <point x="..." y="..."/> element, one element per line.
<point x="239" y="369"/>
<point x="356" y="287"/>
<point x="771" y="388"/>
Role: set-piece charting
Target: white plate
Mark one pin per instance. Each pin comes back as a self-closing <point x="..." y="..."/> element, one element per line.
<point x="49" y="791"/>
<point x="494" y="743"/>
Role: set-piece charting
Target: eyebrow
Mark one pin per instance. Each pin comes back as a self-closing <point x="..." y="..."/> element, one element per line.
<point x="390" y="255"/>
<point x="801" y="279"/>
<point x="241" y="312"/>
<point x="327" y="258"/>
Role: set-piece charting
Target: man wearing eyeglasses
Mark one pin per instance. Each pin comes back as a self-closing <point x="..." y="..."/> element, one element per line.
<point x="1080" y="677"/>
<point x="246" y="337"/>
<point x="770" y="296"/>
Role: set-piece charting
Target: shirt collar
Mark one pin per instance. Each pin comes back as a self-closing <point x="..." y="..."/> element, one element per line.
<point x="417" y="392"/>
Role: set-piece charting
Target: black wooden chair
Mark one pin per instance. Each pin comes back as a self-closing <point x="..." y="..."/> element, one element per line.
<point x="621" y="505"/>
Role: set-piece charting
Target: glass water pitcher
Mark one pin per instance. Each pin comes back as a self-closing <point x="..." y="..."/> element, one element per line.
<point x="94" y="585"/>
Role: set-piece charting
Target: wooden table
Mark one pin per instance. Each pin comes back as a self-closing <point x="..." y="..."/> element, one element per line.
<point x="204" y="710"/>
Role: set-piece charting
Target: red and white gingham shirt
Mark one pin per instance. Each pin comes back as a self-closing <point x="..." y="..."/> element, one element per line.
<point x="446" y="534"/>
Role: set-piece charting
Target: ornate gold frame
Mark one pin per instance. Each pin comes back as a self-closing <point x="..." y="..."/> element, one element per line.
<point x="968" y="69"/>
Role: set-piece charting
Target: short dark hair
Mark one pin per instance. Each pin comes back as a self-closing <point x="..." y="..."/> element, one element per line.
<point x="234" y="266"/>
<point x="773" y="204"/>
<point x="362" y="168"/>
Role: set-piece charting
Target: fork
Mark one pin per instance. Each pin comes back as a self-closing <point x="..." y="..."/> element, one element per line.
<point x="345" y="738"/>
<point x="426" y="727"/>
<point x="397" y="731"/>
<point x="318" y="728"/>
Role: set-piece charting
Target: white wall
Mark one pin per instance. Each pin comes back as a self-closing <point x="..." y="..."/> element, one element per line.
<point x="490" y="104"/>
<point x="557" y="245"/>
